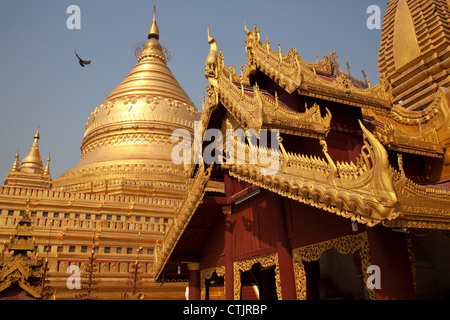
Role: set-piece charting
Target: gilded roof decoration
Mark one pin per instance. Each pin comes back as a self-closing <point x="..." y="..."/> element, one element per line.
<point x="363" y="192"/>
<point x="22" y="266"/>
<point x="322" y="182"/>
<point x="195" y="193"/>
<point x="425" y="132"/>
<point x="423" y="206"/>
<point x="292" y="73"/>
<point x="254" y="108"/>
<point x="31" y="172"/>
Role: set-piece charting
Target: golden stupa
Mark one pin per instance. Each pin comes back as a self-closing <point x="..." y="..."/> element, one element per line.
<point x="127" y="142"/>
<point x="31" y="172"/>
<point x="120" y="199"/>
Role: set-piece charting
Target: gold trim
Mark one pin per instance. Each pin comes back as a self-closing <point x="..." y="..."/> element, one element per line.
<point x="196" y="190"/>
<point x="252" y="108"/>
<point x="363" y="192"/>
<point x="292" y="73"/>
<point x="266" y="260"/>
<point x="206" y="274"/>
<point x="344" y="245"/>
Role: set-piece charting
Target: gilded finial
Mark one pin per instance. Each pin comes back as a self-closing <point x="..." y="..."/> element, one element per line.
<point x="153" y="31"/>
<point x="247" y="32"/>
<point x="365" y="78"/>
<point x="37" y="135"/>
<point x="348" y="69"/>
<point x="47" y="166"/>
<point x="16" y="164"/>
<point x="211" y="40"/>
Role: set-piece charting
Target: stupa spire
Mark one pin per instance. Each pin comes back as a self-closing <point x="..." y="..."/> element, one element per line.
<point x="153" y="31"/>
<point x="47" y="166"/>
<point x="16" y="165"/>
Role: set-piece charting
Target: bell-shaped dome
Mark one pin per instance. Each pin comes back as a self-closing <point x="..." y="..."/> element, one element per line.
<point x="129" y="135"/>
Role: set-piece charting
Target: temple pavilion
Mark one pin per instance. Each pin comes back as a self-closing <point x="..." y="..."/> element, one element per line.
<point x="359" y="205"/>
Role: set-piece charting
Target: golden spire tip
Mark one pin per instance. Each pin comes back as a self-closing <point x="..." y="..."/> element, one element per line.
<point x="153" y="31"/>
<point x="36" y="135"/>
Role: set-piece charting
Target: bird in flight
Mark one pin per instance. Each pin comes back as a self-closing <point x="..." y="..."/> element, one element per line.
<point x="81" y="61"/>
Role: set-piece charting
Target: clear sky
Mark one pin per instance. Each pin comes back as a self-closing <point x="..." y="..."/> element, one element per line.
<point x="41" y="82"/>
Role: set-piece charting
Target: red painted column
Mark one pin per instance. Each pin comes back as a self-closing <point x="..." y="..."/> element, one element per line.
<point x="389" y="252"/>
<point x="287" y="275"/>
<point x="194" y="281"/>
<point x="228" y="252"/>
<point x="228" y="246"/>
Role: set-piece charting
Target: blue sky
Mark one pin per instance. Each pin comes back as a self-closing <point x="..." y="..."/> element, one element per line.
<point x="42" y="84"/>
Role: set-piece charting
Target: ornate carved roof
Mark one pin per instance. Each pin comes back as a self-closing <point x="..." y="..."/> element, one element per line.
<point x="23" y="266"/>
<point x="322" y="79"/>
<point x="370" y="191"/>
<point x="335" y="187"/>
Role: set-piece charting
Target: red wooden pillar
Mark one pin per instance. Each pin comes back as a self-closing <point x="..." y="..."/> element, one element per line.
<point x="228" y="246"/>
<point x="389" y="252"/>
<point x="286" y="267"/>
<point x="194" y="281"/>
<point x="228" y="252"/>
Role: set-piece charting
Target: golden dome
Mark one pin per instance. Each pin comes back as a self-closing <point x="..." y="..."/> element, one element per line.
<point x="129" y="135"/>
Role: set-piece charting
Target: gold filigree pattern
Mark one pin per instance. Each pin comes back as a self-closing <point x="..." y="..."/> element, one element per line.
<point x="146" y="111"/>
<point x="206" y="274"/>
<point x="292" y="73"/>
<point x="266" y="260"/>
<point x="126" y="138"/>
<point x="364" y="192"/>
<point x="424" y="132"/>
<point x="196" y="190"/>
<point x="255" y="109"/>
<point x="349" y="244"/>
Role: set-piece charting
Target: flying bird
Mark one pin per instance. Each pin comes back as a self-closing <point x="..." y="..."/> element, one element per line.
<point x="81" y="61"/>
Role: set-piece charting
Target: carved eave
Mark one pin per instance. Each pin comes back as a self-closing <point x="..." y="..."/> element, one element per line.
<point x="253" y="45"/>
<point x="254" y="108"/>
<point x="424" y="132"/>
<point x="423" y="207"/>
<point x="292" y="73"/>
<point x="196" y="191"/>
<point x="19" y="270"/>
<point x="362" y="192"/>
